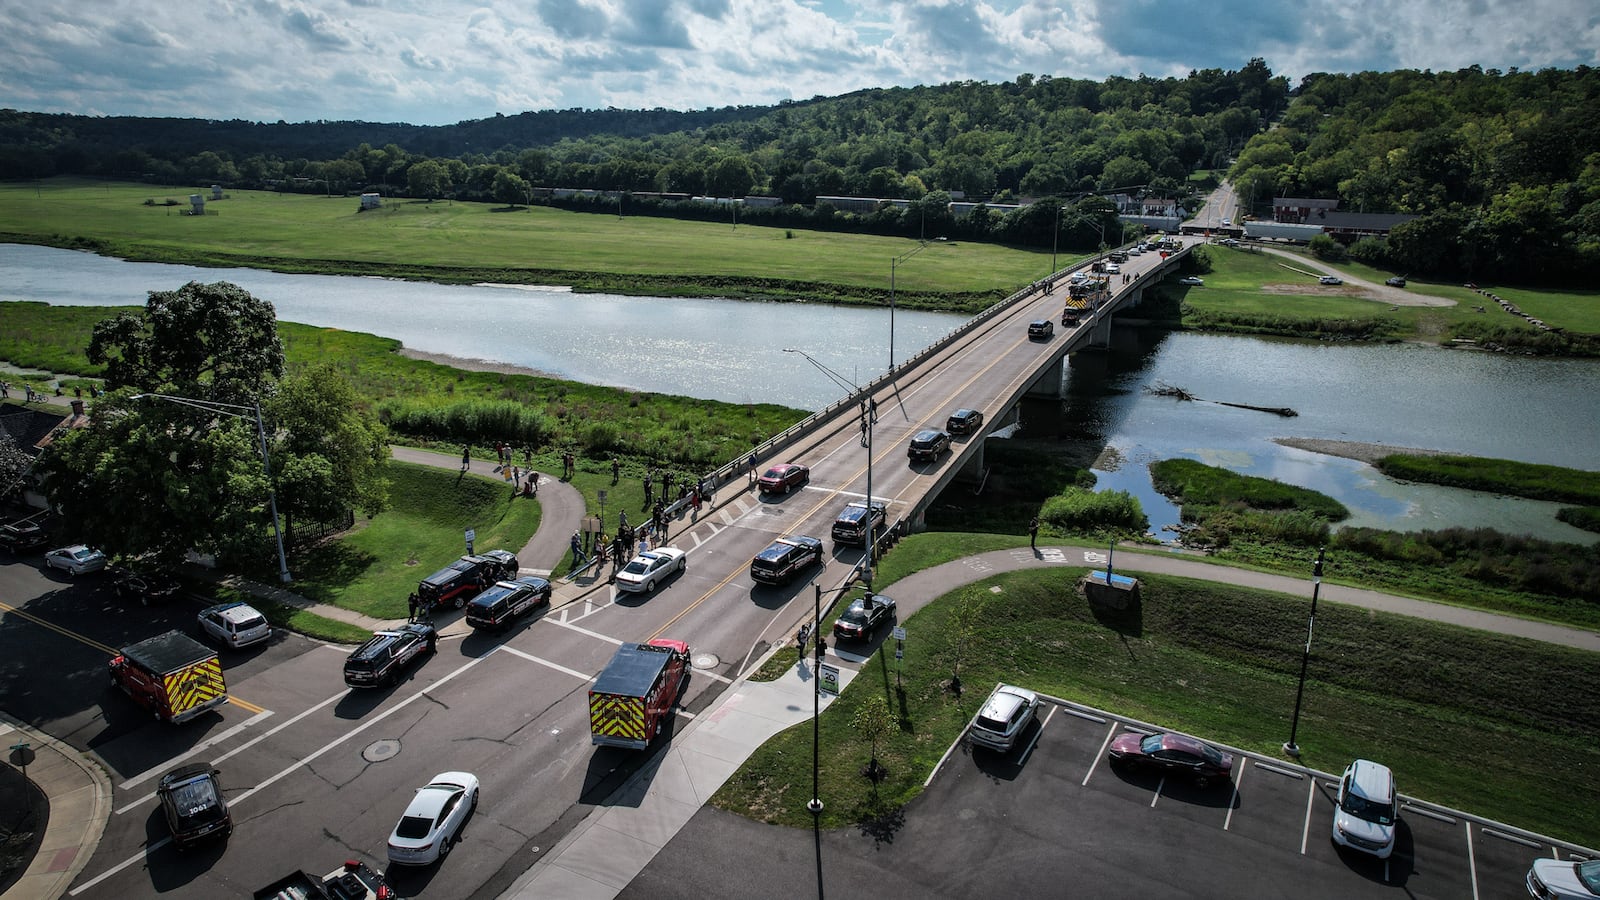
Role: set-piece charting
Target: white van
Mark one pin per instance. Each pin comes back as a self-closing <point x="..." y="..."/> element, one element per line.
<point x="1367" y="810"/>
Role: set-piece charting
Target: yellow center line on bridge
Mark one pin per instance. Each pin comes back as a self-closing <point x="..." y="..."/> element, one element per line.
<point x="834" y="493"/>
<point x="103" y="648"/>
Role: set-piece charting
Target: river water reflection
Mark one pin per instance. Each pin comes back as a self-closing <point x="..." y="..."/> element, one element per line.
<point x="1532" y="410"/>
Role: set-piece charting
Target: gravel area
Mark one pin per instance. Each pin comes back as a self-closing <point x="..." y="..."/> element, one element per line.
<point x="1365" y="452"/>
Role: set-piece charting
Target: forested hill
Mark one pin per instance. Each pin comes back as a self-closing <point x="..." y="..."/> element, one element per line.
<point x="1502" y="168"/>
<point x="1032" y="136"/>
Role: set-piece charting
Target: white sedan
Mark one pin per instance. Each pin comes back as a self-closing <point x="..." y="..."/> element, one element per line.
<point x="1330" y="279"/>
<point x="1191" y="281"/>
<point x="434" y="819"/>
<point x="650" y="568"/>
<point x="76" y="560"/>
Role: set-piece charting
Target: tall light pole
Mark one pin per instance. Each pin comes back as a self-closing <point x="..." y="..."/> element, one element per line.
<point x="240" y="411"/>
<point x="1055" y="238"/>
<point x="893" y="263"/>
<point x="1291" y="747"/>
<point x="816" y="706"/>
<point x="869" y="416"/>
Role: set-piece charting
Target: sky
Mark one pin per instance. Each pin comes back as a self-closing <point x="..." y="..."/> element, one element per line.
<point x="436" y="62"/>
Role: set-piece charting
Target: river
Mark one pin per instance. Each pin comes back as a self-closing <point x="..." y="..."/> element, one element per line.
<point x="1533" y="410"/>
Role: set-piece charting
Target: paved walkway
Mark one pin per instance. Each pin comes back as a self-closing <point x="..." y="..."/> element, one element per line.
<point x="79" y="793"/>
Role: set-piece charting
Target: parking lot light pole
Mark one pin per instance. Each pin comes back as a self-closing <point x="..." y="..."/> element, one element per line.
<point x="240" y="411"/>
<point x="1291" y="747"/>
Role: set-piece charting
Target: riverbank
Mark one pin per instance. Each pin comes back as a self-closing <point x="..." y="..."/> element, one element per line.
<point x="1361" y="451"/>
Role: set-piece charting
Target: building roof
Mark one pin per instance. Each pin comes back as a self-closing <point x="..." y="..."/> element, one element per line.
<point x="1355" y="220"/>
<point x="30" y="428"/>
<point x="1304" y="203"/>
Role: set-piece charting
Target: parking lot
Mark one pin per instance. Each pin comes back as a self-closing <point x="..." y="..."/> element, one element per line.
<point x="1051" y="818"/>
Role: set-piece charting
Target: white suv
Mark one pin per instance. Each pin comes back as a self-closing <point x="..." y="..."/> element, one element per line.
<point x="1003" y="717"/>
<point x="1368" y="807"/>
<point x="235" y="624"/>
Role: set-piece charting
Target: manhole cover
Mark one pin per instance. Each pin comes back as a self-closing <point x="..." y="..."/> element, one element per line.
<point x="378" y="751"/>
<point x="705" y="661"/>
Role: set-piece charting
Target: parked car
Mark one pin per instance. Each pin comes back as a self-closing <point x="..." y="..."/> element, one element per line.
<point x="783" y="478"/>
<point x="1172" y="754"/>
<point x="1367" y="806"/>
<point x="650" y="568"/>
<point x="433" y="820"/>
<point x="863" y="617"/>
<point x="192" y="801"/>
<point x="1002" y="718"/>
<point x="463" y="579"/>
<point x="76" y="559"/>
<point x="144" y="583"/>
<point x="386" y="654"/>
<point x="928" y="445"/>
<point x="234" y="625"/>
<point x="1113" y="269"/>
<point x="504" y="601"/>
<point x="24" y="536"/>
<point x="964" y="421"/>
<point x="1191" y="281"/>
<point x="1564" y="879"/>
<point x="851" y="525"/>
<point x="785" y="558"/>
<point x="1396" y="281"/>
<point x="1041" y="328"/>
<point x="1330" y="279"/>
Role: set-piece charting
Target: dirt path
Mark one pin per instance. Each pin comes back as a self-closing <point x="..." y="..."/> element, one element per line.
<point x="1355" y="288"/>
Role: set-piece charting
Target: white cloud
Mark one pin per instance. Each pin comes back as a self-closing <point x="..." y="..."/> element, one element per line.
<point x="440" y="61"/>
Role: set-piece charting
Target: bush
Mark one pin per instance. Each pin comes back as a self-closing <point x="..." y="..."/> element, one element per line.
<point x="1585" y="517"/>
<point x="1080" y="510"/>
<point x="1327" y="249"/>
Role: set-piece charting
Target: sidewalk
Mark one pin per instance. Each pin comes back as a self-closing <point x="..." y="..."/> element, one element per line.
<point x="620" y="837"/>
<point x="79" y="793"/>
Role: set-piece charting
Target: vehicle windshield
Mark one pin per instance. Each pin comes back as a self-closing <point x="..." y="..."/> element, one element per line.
<point x="638" y="566"/>
<point x="1150" y="744"/>
<point x="1589" y="874"/>
<point x="414" y="827"/>
<point x="195" y="802"/>
<point x="855" y="615"/>
<point x="1362" y="808"/>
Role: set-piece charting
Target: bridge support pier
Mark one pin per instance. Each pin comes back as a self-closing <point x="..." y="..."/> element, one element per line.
<point x="1049" y="383"/>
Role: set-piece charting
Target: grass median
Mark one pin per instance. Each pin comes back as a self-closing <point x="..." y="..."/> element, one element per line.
<point x="1468" y="719"/>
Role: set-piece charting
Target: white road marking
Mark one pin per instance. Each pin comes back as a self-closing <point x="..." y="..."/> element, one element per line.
<point x="1305" y="830"/>
<point x="1472" y="861"/>
<point x="1098" y="756"/>
<point x="151" y="847"/>
<point x="1036" y="735"/>
<point x="545" y="662"/>
<point x="1234" y="802"/>
<point x="594" y="634"/>
<point x="192" y="751"/>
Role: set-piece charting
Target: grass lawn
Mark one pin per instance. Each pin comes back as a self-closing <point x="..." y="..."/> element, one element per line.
<point x="376" y="567"/>
<point x="1389" y="688"/>
<point x="270" y="230"/>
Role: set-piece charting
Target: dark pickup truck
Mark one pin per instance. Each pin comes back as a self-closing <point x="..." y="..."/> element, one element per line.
<point x="460" y="581"/>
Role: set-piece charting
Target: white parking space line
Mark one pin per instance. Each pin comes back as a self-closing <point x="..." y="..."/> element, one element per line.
<point x="594" y="634"/>
<point x="192" y="751"/>
<point x="1157" y="795"/>
<point x="1110" y="732"/>
<point x="545" y="662"/>
<point x="1305" y="830"/>
<point x="1023" y="759"/>
<point x="1234" y="802"/>
<point x="1472" y="861"/>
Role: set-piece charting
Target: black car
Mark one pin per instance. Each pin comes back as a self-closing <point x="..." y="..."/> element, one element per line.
<point x="387" y="653"/>
<point x="463" y="579"/>
<point x="503" y="602"/>
<point x="851" y="525"/>
<point x="864" y="617"/>
<point x="25" y="536"/>
<point x="785" y="557"/>
<point x="964" y="421"/>
<point x="147" y="585"/>
<point x="191" y="797"/>
<point x="928" y="445"/>
<point x="1041" y="328"/>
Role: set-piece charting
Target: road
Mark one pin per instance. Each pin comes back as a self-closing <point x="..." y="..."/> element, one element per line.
<point x="318" y="773"/>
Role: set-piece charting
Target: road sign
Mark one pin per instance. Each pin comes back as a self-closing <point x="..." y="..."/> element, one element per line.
<point x="899" y="633"/>
<point x="828" y="683"/>
<point x="472" y="535"/>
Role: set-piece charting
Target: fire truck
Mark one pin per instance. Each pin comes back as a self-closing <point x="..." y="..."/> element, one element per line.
<point x="636" y="693"/>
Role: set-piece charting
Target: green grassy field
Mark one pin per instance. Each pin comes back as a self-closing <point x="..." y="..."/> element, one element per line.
<point x="483" y="242"/>
<point x="376" y="567"/>
<point x="1385" y="687"/>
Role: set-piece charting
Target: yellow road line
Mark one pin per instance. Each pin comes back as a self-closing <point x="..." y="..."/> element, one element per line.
<point x="107" y="650"/>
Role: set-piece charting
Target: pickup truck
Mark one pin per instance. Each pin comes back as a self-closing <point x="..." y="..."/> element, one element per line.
<point x="355" y="880"/>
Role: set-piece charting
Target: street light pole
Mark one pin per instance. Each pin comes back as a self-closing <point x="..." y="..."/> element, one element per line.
<point x="869" y="417"/>
<point x="225" y="409"/>
<point x="816" y="707"/>
<point x="1055" y="238"/>
<point x="1291" y="747"/>
<point x="893" y="263"/>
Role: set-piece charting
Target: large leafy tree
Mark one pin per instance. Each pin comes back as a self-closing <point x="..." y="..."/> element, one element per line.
<point x="328" y="457"/>
<point x="183" y="470"/>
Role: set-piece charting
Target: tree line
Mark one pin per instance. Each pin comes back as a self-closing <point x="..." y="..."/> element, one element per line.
<point x="1501" y="168"/>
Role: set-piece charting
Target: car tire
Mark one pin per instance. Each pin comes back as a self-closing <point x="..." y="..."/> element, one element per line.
<point x="460" y="602"/>
<point x="444" y="846"/>
<point x="683" y="563"/>
<point x="474" y="805"/>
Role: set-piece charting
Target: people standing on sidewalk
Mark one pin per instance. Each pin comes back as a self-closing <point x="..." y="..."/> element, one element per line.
<point x="751" y="463"/>
<point x="1033" y="533"/>
<point x="466" y="457"/>
<point x="578" y="558"/>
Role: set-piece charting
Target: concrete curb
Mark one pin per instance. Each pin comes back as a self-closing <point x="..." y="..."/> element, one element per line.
<point x="79" y="793"/>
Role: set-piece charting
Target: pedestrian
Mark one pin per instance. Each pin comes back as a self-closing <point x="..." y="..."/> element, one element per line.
<point x="616" y="470"/>
<point x="666" y="484"/>
<point x="752" y="465"/>
<point x="533" y="484"/>
<point x="1033" y="533"/>
<point x="527" y="457"/>
<point x="577" y="550"/>
<point x="694" y="499"/>
<point x="648" y="489"/>
<point x="644" y="542"/>
<point x="5" y="390"/>
<point x="77" y="392"/>
<point x="411" y="604"/>
<point x="466" y="457"/>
